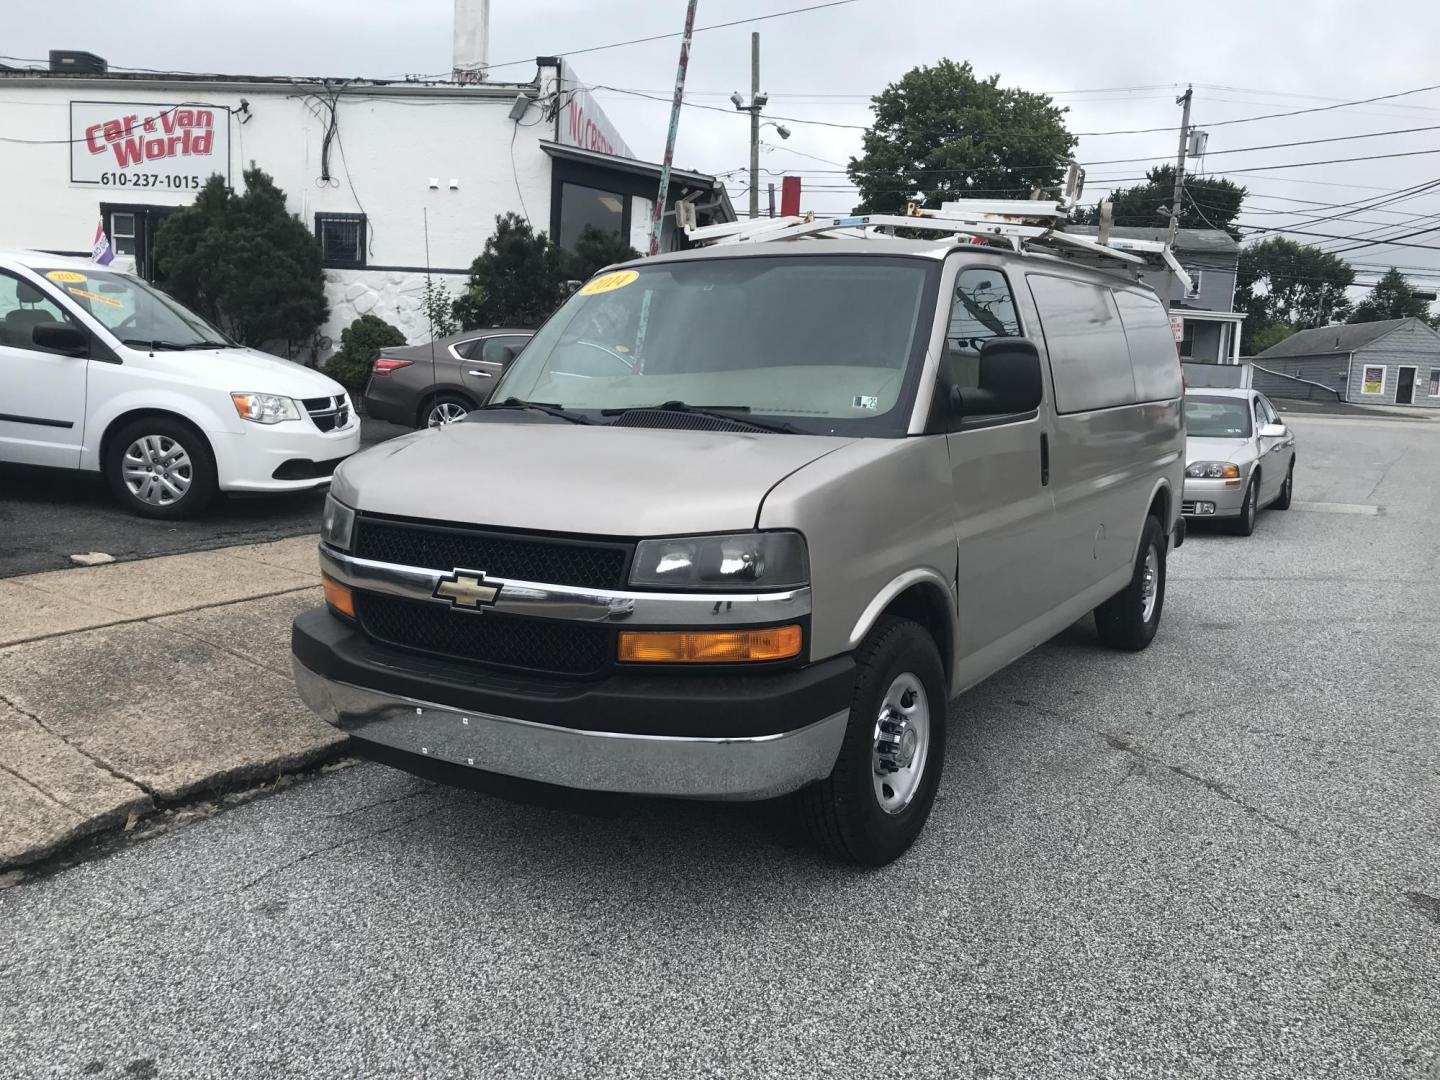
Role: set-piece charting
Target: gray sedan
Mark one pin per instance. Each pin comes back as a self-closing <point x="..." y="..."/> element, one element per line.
<point x="438" y="383"/>
<point x="1239" y="457"/>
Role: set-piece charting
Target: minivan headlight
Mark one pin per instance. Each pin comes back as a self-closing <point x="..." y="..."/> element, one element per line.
<point x="1212" y="470"/>
<point x="337" y="521"/>
<point x="754" y="560"/>
<point x="265" y="408"/>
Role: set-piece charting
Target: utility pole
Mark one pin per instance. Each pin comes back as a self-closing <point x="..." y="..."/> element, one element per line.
<point x="772" y="200"/>
<point x="1183" y="99"/>
<point x="757" y="103"/>
<point x="680" y="71"/>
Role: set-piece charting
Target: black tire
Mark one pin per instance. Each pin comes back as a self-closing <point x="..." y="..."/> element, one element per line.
<point x="168" y="433"/>
<point x="431" y="405"/>
<point x="843" y="813"/>
<point x="1287" y="490"/>
<point x="1244" y="525"/>
<point x="1121" y="621"/>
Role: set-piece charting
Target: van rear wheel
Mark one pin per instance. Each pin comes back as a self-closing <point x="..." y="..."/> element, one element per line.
<point x="872" y="806"/>
<point x="1129" y="619"/>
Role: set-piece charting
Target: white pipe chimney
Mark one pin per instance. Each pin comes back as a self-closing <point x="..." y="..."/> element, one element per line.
<point x="472" y="39"/>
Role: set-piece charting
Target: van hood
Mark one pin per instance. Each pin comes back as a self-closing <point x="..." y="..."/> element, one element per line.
<point x="1204" y="449"/>
<point x="561" y="477"/>
<point x="240" y="369"/>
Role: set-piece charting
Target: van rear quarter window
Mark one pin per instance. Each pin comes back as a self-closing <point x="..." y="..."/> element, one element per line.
<point x="1089" y="359"/>
<point x="1152" y="346"/>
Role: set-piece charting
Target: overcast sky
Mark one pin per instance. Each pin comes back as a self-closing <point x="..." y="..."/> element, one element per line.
<point x="1117" y="64"/>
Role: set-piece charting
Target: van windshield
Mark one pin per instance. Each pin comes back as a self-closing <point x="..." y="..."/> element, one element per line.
<point x="822" y="344"/>
<point x="138" y="315"/>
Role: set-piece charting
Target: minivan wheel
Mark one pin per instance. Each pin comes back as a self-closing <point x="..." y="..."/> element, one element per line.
<point x="160" y="468"/>
<point x="1129" y="619"/>
<point x="872" y="806"/>
<point x="446" y="409"/>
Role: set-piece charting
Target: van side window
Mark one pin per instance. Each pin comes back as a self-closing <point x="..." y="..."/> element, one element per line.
<point x="983" y="308"/>
<point x="1153" y="359"/>
<point x="22" y="307"/>
<point x="1089" y="360"/>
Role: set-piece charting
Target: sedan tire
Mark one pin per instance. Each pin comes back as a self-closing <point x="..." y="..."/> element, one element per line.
<point x="1244" y="525"/>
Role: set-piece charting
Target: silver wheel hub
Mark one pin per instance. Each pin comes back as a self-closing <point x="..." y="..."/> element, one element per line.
<point x="902" y="743"/>
<point x="1149" y="583"/>
<point x="447" y="412"/>
<point x="157" y="470"/>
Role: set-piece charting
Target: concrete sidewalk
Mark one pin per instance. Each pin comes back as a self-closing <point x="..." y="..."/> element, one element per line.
<point x="129" y="686"/>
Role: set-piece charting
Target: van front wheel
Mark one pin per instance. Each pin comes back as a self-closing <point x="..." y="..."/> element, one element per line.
<point x="160" y="468"/>
<point x="870" y="809"/>
<point x="1129" y="619"/>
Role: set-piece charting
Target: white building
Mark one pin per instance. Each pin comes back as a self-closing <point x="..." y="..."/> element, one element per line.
<point x="364" y="164"/>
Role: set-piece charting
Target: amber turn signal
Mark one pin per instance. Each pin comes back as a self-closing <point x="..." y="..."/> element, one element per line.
<point x="338" y="596"/>
<point x="710" y="647"/>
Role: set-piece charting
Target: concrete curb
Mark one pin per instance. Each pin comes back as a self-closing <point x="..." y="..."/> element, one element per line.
<point x="128" y="687"/>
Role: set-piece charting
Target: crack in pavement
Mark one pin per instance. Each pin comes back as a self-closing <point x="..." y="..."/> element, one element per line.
<point x="99" y="764"/>
<point x="1115" y="742"/>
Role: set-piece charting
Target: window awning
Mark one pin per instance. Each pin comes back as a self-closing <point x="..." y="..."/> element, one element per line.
<point x="648" y="169"/>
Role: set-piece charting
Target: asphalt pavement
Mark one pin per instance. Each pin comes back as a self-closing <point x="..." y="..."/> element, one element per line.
<point x="47" y="515"/>
<point x="1217" y="858"/>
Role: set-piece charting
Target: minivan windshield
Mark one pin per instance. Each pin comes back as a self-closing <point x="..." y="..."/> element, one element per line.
<point x="819" y="343"/>
<point x="1217" y="417"/>
<point x="137" y="314"/>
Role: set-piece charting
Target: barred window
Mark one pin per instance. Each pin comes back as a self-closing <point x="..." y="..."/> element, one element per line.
<point x="342" y="239"/>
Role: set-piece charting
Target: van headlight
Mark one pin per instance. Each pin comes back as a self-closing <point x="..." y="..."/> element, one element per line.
<point x="265" y="408"/>
<point x="337" y="522"/>
<point x="754" y="560"/>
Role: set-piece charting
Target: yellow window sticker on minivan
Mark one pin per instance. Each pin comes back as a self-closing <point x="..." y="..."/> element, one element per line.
<point x="65" y="277"/>
<point x="608" y="282"/>
<point x="95" y="297"/>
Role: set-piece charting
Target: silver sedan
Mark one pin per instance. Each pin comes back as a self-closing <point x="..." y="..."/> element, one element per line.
<point x="1239" y="457"/>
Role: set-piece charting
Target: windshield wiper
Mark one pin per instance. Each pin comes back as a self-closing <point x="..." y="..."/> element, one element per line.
<point x="170" y="346"/>
<point x="715" y="412"/>
<point x="546" y="407"/>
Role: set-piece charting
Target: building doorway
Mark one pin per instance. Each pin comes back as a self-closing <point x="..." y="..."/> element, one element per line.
<point x="132" y="230"/>
<point x="1405" y="386"/>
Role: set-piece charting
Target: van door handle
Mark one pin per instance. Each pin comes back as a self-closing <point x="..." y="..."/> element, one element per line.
<point x="482" y="374"/>
<point x="1044" y="459"/>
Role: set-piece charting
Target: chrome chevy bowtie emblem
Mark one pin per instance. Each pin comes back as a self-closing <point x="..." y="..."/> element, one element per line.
<point x="467" y="589"/>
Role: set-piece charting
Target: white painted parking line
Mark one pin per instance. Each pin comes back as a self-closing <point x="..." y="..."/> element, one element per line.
<point x="1335" y="508"/>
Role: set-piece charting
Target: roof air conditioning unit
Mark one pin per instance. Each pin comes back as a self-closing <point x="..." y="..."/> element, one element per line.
<point x="77" y="61"/>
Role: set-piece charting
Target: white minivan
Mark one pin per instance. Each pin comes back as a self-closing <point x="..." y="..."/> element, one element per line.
<point x="100" y="371"/>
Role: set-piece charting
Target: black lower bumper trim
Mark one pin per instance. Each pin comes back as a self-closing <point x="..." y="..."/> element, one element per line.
<point x="691" y="705"/>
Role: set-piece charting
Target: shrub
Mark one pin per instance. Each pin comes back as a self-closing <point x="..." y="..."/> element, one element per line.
<point x="360" y="344"/>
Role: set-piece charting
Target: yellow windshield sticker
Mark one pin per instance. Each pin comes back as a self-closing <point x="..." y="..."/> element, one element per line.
<point x="65" y="277"/>
<point x="94" y="297"/>
<point x="608" y="282"/>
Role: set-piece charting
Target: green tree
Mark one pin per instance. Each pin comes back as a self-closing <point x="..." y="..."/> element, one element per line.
<point x="1280" y="281"/>
<point x="1210" y="202"/>
<point x="940" y="133"/>
<point x="1391" y="298"/>
<point x="515" y="281"/>
<point x="595" y="250"/>
<point x="245" y="263"/>
<point x="439" y="308"/>
<point x="360" y="344"/>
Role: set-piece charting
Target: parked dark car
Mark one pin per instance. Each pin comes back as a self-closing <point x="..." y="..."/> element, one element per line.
<point x="437" y="383"/>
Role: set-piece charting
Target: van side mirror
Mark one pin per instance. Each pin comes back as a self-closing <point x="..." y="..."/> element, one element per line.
<point x="1272" y="431"/>
<point x="61" y="337"/>
<point x="1010" y="380"/>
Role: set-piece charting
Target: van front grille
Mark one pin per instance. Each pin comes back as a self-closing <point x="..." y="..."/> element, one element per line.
<point x="553" y="562"/>
<point x="549" y="645"/>
<point x="328" y="413"/>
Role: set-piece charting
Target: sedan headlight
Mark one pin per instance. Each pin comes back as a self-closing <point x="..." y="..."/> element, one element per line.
<point x="336" y="523"/>
<point x="265" y="408"/>
<point x="1212" y="470"/>
<point x="756" y="560"/>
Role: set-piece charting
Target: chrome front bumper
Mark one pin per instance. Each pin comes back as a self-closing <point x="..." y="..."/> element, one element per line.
<point x="738" y="769"/>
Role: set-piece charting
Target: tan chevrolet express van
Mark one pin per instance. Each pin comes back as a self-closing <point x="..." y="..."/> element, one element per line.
<point x="741" y="521"/>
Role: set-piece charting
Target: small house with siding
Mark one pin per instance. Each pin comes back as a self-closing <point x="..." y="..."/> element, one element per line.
<point x="1392" y="362"/>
